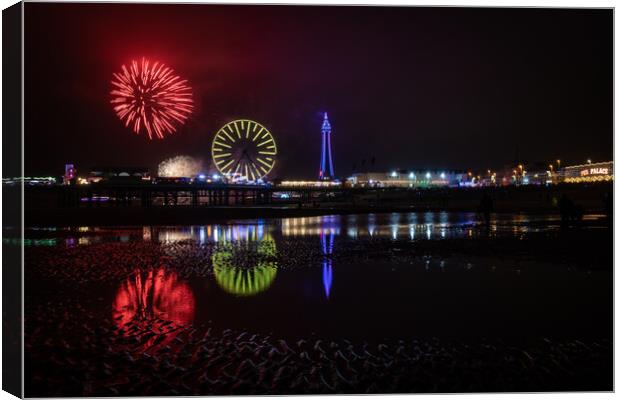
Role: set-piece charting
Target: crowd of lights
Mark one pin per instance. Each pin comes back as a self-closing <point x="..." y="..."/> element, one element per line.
<point x="151" y="97"/>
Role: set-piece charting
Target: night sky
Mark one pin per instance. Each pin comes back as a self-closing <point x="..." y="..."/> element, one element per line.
<point x="414" y="87"/>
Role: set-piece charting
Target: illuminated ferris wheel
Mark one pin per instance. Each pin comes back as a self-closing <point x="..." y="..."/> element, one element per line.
<point x="245" y="149"/>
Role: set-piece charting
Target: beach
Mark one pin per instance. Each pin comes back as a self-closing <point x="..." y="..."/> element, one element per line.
<point x="361" y="303"/>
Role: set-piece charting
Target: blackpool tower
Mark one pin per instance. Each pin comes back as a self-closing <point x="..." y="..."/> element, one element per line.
<point x="327" y="167"/>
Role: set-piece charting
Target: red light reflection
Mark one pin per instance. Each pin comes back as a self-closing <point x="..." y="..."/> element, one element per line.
<point x="154" y="302"/>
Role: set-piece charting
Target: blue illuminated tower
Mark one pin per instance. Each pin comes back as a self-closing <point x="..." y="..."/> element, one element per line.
<point x="327" y="167"/>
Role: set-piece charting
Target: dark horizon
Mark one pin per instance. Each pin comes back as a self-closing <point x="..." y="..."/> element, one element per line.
<point x="415" y="87"/>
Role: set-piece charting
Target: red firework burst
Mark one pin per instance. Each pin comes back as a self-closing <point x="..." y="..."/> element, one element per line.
<point x="151" y="97"/>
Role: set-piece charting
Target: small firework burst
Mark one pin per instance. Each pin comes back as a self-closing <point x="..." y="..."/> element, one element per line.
<point x="180" y="167"/>
<point x="151" y="97"/>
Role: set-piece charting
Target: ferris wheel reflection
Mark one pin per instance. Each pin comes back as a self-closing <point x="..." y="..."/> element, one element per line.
<point x="244" y="260"/>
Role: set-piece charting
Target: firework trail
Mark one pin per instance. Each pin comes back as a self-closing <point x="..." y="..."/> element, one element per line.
<point x="151" y="97"/>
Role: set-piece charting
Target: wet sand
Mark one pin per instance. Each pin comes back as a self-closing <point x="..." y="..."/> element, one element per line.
<point x="364" y="304"/>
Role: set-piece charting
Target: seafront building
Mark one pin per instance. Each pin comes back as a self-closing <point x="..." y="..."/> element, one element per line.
<point x="509" y="176"/>
<point x="409" y="179"/>
<point x="590" y="172"/>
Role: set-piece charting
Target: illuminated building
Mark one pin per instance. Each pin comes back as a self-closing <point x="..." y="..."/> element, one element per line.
<point x="590" y="172"/>
<point x="118" y="174"/>
<point x="69" y="174"/>
<point x="308" y="183"/>
<point x="408" y="179"/>
<point x="327" y="167"/>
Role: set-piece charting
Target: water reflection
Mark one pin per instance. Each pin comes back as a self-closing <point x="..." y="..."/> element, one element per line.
<point x="327" y="249"/>
<point x="154" y="300"/>
<point x="245" y="267"/>
<point x="29" y="242"/>
<point x="242" y="258"/>
<point x="205" y="233"/>
<point x="311" y="226"/>
<point x="394" y="226"/>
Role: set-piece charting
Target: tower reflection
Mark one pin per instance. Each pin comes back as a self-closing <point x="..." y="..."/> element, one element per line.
<point x="327" y="248"/>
